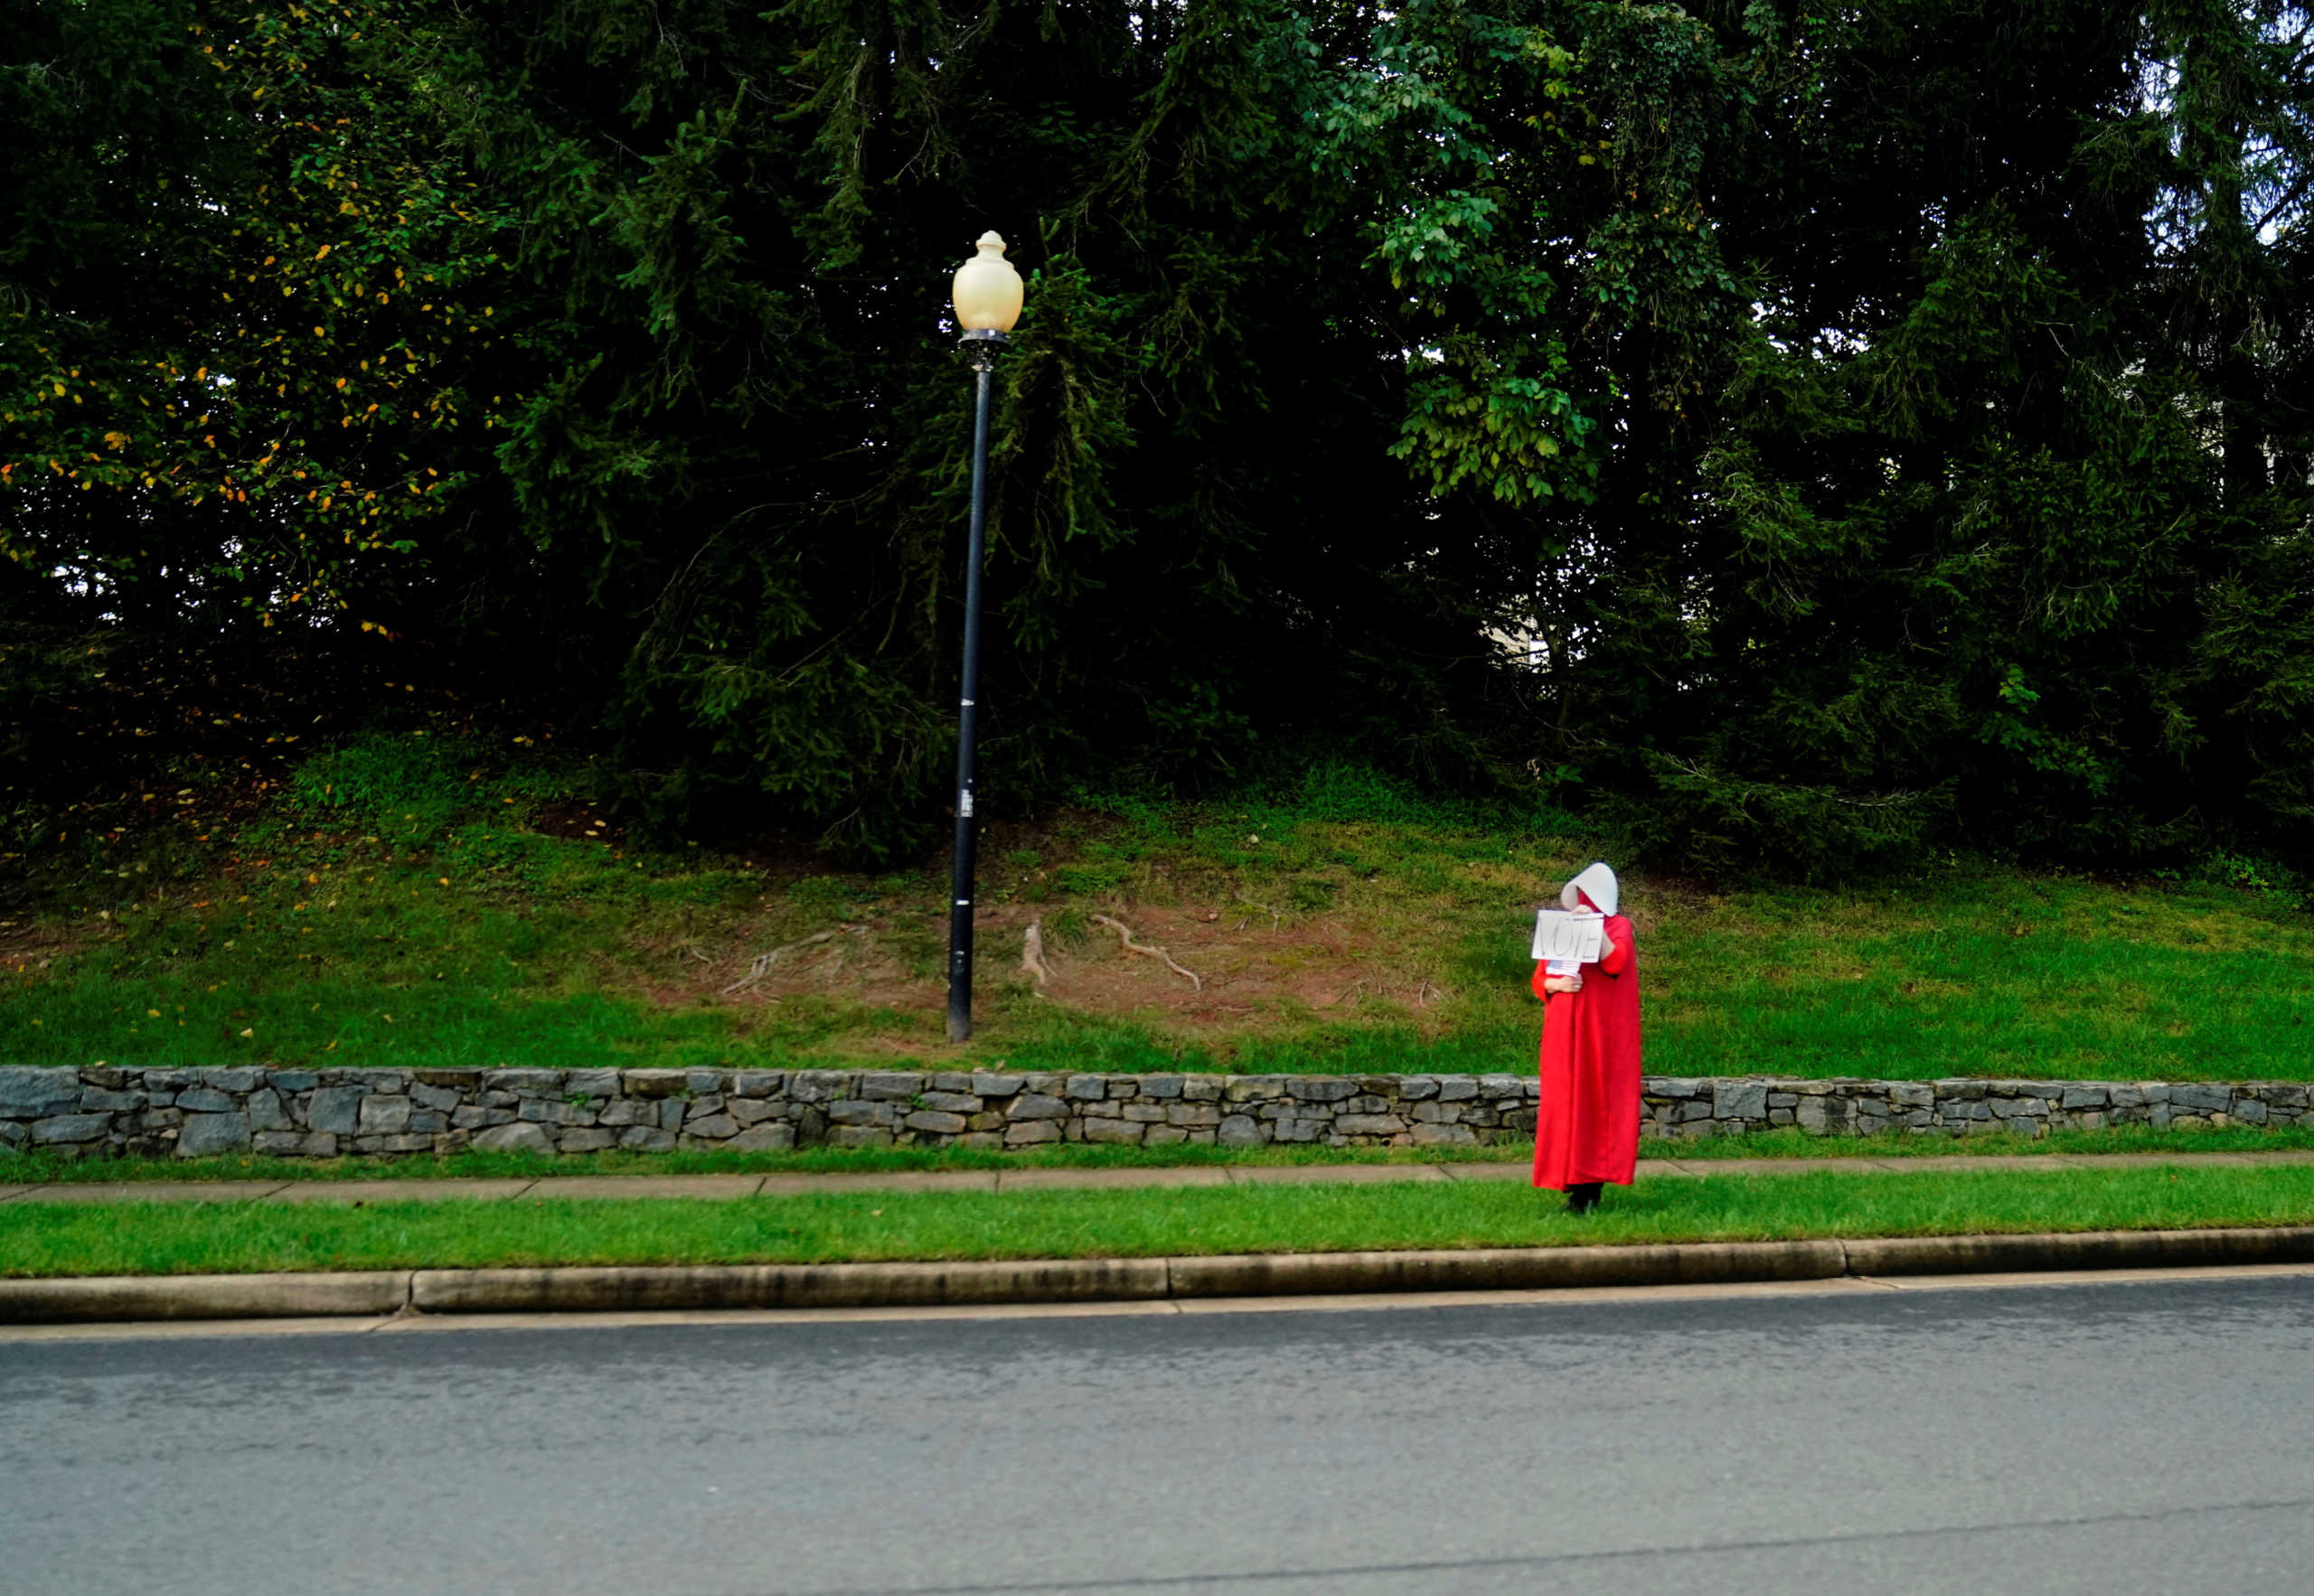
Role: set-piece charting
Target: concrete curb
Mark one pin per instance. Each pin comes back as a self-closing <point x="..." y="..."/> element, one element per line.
<point x="1504" y="1268"/>
<point x="130" y="1298"/>
<point x="2088" y="1249"/>
<point x="786" y="1285"/>
<point x="95" y="1299"/>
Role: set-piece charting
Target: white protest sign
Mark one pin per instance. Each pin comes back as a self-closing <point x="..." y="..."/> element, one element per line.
<point x="1566" y="938"/>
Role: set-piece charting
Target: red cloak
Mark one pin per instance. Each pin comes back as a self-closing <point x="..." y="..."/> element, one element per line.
<point x="1587" y="1128"/>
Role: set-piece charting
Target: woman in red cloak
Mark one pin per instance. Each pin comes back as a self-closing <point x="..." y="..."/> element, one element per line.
<point x="1587" y="1130"/>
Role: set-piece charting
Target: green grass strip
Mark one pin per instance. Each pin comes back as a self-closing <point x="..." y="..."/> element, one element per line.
<point x="63" y="1239"/>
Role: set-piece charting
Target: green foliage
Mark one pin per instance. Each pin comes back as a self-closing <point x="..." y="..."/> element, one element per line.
<point x="413" y="789"/>
<point x="251" y="283"/>
<point x="1801" y="436"/>
<point x="1725" y="824"/>
<point x="410" y="787"/>
<point x="1966" y="559"/>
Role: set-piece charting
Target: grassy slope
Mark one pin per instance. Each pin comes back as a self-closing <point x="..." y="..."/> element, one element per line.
<point x="394" y="906"/>
<point x="209" y="1238"/>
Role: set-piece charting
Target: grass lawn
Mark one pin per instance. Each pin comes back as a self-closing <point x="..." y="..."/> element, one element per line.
<point x="417" y="901"/>
<point x="37" y="1168"/>
<point x="224" y="1238"/>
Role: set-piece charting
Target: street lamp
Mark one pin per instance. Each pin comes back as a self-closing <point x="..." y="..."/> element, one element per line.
<point x="988" y="302"/>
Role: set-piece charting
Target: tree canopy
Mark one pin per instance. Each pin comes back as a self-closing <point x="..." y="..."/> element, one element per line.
<point x="1807" y="432"/>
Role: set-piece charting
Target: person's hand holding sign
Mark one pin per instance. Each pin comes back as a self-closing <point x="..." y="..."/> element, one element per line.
<point x="1565" y="941"/>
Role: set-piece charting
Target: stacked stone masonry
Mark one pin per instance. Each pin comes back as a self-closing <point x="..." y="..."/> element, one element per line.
<point x="102" y="1112"/>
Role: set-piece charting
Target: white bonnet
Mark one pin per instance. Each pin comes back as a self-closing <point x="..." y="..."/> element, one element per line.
<point x="1597" y="883"/>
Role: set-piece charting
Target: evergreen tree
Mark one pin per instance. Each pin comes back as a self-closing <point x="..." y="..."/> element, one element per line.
<point x="1811" y="434"/>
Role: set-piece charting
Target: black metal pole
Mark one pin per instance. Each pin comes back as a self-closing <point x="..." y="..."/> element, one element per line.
<point x="983" y="348"/>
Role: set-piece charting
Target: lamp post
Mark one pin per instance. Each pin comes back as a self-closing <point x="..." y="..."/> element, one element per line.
<point x="988" y="302"/>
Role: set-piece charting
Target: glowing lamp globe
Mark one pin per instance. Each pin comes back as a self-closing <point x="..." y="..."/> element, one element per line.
<point x="988" y="291"/>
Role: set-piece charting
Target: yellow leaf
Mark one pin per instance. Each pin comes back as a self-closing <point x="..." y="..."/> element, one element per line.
<point x="322" y="253"/>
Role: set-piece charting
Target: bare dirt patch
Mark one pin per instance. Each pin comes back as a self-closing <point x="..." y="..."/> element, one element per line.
<point x="578" y="820"/>
<point x="1245" y="963"/>
<point x="28" y="946"/>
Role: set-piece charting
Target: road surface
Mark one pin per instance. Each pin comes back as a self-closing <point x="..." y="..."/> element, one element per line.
<point x="2104" y="1438"/>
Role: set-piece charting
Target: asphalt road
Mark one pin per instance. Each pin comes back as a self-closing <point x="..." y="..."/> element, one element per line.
<point x="2087" y="1437"/>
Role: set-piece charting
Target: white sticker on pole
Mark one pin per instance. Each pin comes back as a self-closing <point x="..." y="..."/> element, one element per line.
<point x="1568" y="939"/>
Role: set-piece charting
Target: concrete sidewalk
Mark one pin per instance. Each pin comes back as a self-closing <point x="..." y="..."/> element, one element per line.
<point x="728" y="1187"/>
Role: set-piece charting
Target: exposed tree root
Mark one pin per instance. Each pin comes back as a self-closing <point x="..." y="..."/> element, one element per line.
<point x="764" y="962"/>
<point x="1124" y="934"/>
<point x="1033" y="954"/>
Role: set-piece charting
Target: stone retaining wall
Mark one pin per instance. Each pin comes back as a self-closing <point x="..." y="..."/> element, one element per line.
<point x="325" y="1113"/>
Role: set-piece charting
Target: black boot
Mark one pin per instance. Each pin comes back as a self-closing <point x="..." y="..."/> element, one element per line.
<point x="1583" y="1196"/>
